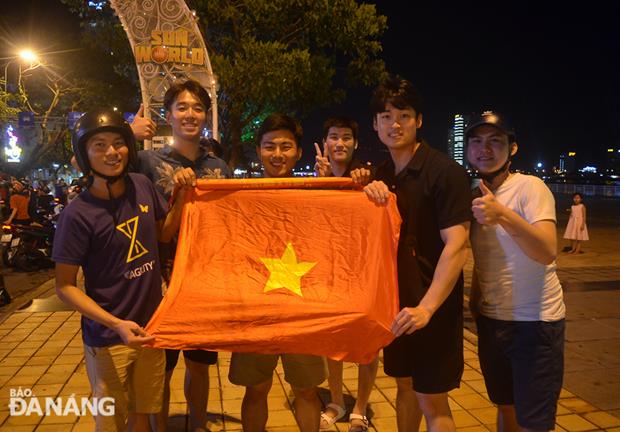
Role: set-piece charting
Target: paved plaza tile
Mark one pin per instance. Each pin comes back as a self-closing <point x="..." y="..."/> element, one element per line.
<point x="42" y="352"/>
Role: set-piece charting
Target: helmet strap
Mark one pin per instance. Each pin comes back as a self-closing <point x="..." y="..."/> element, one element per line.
<point x="111" y="179"/>
<point x="503" y="170"/>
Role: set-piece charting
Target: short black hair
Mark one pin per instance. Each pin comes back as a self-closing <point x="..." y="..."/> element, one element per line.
<point x="278" y="121"/>
<point x="340" y="122"/>
<point x="398" y="92"/>
<point x="192" y="86"/>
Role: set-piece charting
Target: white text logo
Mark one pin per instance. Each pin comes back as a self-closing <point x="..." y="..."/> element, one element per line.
<point x="24" y="402"/>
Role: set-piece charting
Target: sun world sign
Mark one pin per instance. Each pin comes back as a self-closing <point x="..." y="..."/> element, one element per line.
<point x="167" y="46"/>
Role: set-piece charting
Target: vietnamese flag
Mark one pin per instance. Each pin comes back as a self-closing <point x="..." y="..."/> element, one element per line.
<point x="269" y="270"/>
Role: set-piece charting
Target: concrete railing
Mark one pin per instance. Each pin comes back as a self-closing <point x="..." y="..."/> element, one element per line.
<point x="586" y="189"/>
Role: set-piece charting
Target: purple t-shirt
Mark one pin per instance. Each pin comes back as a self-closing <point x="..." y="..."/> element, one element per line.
<point x="115" y="242"/>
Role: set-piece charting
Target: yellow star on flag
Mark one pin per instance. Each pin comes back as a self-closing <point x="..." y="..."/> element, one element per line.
<point x="286" y="272"/>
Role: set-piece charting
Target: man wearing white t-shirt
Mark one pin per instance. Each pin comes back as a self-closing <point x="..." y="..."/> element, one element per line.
<point x="516" y="296"/>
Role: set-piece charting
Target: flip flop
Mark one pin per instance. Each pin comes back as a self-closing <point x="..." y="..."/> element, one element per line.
<point x="328" y="421"/>
<point x="360" y="427"/>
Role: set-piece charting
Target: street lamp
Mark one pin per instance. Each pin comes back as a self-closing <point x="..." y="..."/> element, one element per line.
<point x="25" y="55"/>
<point x="28" y="55"/>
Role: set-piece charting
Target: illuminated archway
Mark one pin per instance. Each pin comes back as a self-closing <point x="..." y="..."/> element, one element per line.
<point x="167" y="45"/>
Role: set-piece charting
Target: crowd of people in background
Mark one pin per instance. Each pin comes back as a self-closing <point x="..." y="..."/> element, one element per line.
<point x="24" y="201"/>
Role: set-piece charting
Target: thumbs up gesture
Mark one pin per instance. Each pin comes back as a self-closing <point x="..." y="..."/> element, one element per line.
<point x="143" y="127"/>
<point x="486" y="209"/>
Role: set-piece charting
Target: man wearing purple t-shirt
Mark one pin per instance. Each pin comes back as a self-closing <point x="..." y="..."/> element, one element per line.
<point x="111" y="231"/>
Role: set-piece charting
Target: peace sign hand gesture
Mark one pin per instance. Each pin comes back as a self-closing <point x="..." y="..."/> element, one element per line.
<point x="322" y="167"/>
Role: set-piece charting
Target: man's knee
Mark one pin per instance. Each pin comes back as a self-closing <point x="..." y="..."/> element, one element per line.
<point x="404" y="385"/>
<point x="308" y="393"/>
<point x="258" y="391"/>
<point x="196" y="368"/>
<point x="434" y="405"/>
<point x="506" y="409"/>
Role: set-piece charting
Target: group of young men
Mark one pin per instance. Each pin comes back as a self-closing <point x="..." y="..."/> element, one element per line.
<point x="114" y="226"/>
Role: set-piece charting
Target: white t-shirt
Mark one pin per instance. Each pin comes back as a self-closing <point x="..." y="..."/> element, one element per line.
<point x="514" y="287"/>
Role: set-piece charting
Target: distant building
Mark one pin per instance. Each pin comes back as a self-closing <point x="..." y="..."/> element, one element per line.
<point x="612" y="161"/>
<point x="456" y="137"/>
<point x="567" y="162"/>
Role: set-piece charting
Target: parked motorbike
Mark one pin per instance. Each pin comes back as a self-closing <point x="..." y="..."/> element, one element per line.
<point x="27" y="247"/>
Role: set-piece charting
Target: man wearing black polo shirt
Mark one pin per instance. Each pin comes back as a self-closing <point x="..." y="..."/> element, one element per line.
<point x="434" y="201"/>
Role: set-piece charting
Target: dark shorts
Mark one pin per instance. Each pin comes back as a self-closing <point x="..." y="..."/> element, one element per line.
<point x="198" y="356"/>
<point x="432" y="356"/>
<point x="523" y="363"/>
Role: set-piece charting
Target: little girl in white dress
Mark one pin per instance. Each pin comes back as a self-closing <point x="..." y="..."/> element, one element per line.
<point x="577" y="230"/>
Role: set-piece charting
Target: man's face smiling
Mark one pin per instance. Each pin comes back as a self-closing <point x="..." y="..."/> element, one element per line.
<point x="488" y="148"/>
<point x="397" y="128"/>
<point x="107" y="153"/>
<point x="187" y="116"/>
<point x="278" y="152"/>
<point x="340" y="144"/>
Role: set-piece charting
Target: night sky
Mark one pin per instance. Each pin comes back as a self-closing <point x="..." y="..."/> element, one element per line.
<point x="43" y="25"/>
<point x="552" y="69"/>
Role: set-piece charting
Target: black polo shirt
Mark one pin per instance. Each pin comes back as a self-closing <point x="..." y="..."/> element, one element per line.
<point x="432" y="193"/>
<point x="355" y="164"/>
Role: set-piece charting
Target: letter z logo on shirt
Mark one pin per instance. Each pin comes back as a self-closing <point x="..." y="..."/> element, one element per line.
<point x="130" y="229"/>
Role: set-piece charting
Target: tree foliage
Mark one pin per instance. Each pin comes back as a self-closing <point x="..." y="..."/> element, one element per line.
<point x="288" y="55"/>
<point x="8" y="109"/>
<point x="273" y="55"/>
<point x="47" y="94"/>
<point x="52" y="87"/>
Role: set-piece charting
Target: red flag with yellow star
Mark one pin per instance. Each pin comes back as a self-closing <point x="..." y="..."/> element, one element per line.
<point x="268" y="270"/>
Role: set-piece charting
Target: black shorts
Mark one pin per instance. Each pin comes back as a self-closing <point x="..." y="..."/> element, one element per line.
<point x="432" y="356"/>
<point x="523" y="363"/>
<point x="198" y="356"/>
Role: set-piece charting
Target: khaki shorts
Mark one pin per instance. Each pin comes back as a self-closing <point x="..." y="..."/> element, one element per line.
<point x="300" y="370"/>
<point x="134" y="377"/>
